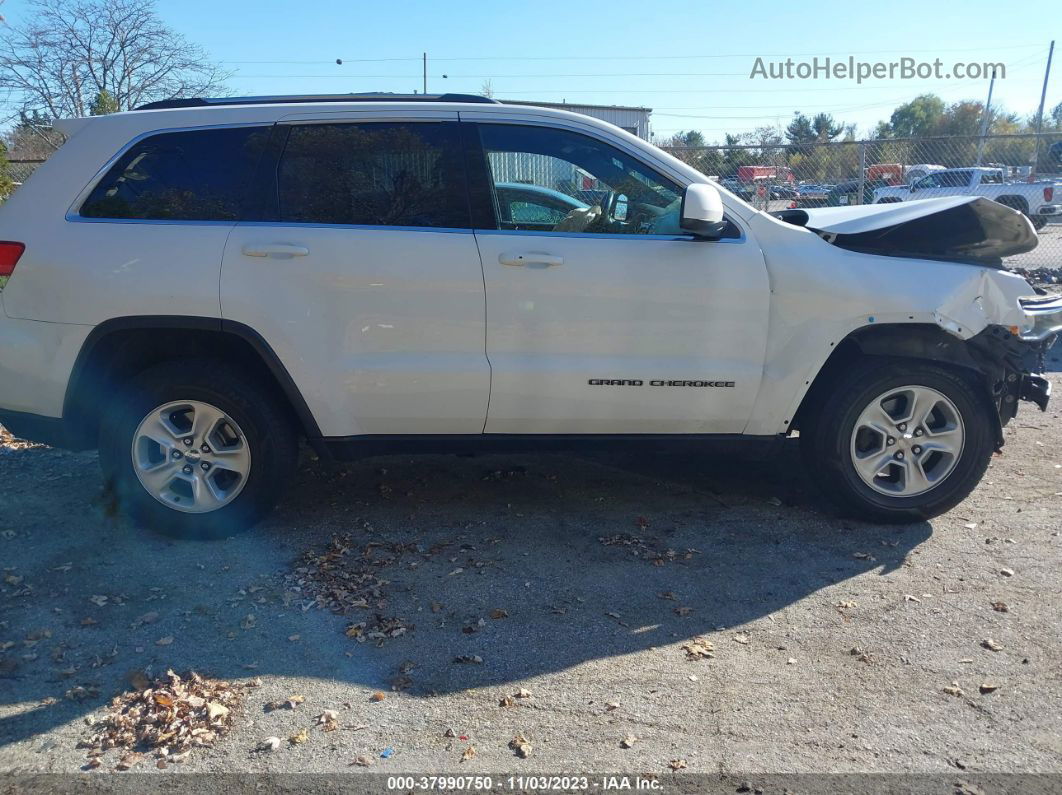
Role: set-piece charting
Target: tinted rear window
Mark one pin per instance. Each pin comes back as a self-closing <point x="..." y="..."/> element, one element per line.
<point x="377" y="174"/>
<point x="197" y="175"/>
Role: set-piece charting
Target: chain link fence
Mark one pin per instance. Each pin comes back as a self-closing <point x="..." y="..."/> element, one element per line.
<point x="774" y="176"/>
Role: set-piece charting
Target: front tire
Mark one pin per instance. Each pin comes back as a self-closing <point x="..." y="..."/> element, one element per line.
<point x="899" y="440"/>
<point x="197" y="449"/>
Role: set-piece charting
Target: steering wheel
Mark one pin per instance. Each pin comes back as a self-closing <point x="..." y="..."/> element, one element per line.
<point x="608" y="209"/>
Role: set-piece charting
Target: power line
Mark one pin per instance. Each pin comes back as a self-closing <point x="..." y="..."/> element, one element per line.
<point x="697" y="56"/>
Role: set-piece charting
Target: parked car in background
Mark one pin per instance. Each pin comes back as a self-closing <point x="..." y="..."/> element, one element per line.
<point x="745" y="190"/>
<point x="847" y="193"/>
<point x="1037" y="200"/>
<point x="783" y="191"/>
<point x="810" y="195"/>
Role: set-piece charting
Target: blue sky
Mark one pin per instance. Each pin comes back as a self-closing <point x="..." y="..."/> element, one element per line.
<point x="688" y="61"/>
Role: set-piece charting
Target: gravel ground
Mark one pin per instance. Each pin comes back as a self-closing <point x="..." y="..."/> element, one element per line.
<point x="834" y="641"/>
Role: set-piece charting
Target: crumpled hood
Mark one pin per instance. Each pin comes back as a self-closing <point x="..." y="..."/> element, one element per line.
<point x="962" y="228"/>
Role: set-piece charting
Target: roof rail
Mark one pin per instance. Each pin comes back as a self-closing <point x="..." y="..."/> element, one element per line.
<point x="380" y="96"/>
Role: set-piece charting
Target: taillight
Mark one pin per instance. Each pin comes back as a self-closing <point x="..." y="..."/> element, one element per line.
<point x="1049" y="193"/>
<point x="9" y="256"/>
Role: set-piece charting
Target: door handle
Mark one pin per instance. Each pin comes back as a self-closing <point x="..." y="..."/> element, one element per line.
<point x="277" y="250"/>
<point x="533" y="258"/>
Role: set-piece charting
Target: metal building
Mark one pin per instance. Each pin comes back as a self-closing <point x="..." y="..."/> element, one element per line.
<point x="632" y="119"/>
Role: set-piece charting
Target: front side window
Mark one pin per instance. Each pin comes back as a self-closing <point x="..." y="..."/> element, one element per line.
<point x="197" y="175"/>
<point x="575" y="183"/>
<point x="377" y="174"/>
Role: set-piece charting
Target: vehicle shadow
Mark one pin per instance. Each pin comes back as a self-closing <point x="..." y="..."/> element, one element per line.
<point x="534" y="564"/>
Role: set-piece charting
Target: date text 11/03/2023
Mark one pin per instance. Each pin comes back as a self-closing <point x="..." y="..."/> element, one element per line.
<point x="532" y="783"/>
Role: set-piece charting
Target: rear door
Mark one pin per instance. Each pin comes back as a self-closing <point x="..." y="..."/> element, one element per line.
<point x="358" y="266"/>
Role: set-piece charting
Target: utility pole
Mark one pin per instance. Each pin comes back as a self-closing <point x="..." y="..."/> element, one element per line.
<point x="425" y="73"/>
<point x="1040" y="113"/>
<point x="985" y="115"/>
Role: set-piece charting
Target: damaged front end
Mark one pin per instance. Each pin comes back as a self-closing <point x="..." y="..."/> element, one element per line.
<point x="1013" y="369"/>
<point x="957" y="229"/>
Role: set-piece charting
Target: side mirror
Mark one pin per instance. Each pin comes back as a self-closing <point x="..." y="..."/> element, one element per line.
<point x="702" y="211"/>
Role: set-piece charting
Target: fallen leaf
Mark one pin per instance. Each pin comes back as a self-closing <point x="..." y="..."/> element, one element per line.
<point x="521" y="745"/>
<point x="1007" y="572"/>
<point x="468" y="658"/>
<point x="991" y="645"/>
<point x="911" y="598"/>
<point x="216" y="711"/>
<point x="301" y="736"/>
<point x="166" y="641"/>
<point x="953" y="689"/>
<point x="677" y="764"/>
<point x="847" y="605"/>
<point x="1000" y="607"/>
<point x="741" y="638"/>
<point x="988" y="687"/>
<point x="498" y="612"/>
<point x="610" y="706"/>
<point x="363" y="761"/>
<point x="269" y="744"/>
<point x="683" y="611"/>
<point x="507" y="701"/>
<point x="248" y="622"/>
<point x="469" y="754"/>
<point x="147" y="618"/>
<point x="378" y="696"/>
<point x="628" y="741"/>
<point x="294" y="638"/>
<point x="128" y="761"/>
<point x="98" y="600"/>
<point x="328" y="720"/>
<point x="669" y="595"/>
<point x="699" y="649"/>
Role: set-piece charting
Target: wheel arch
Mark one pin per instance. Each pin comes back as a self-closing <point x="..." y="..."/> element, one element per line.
<point x="909" y="341"/>
<point x="121" y="347"/>
<point x="1019" y="203"/>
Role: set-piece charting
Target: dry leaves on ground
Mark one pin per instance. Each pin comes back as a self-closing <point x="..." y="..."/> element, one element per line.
<point x="653" y="550"/>
<point x="289" y="703"/>
<point x="521" y="746"/>
<point x="170" y="717"/>
<point x="699" y="648"/>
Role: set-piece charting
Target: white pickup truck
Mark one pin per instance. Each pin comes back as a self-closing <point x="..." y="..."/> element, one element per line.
<point x="1037" y="200"/>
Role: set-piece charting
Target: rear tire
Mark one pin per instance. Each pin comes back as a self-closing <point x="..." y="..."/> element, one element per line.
<point x="197" y="449"/>
<point x="927" y="465"/>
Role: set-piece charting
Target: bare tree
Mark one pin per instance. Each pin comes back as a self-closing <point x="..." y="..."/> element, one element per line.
<point x="70" y="52"/>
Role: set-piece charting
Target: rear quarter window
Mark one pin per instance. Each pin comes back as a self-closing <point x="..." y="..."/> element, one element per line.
<point x="196" y="175"/>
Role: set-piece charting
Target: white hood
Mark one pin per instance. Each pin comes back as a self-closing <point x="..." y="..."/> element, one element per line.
<point x="955" y="227"/>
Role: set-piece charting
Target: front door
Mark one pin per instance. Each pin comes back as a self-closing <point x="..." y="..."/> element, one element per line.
<point x="362" y="273"/>
<point x="602" y="317"/>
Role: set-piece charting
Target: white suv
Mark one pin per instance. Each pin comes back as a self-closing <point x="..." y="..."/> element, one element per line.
<point x="193" y="286"/>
